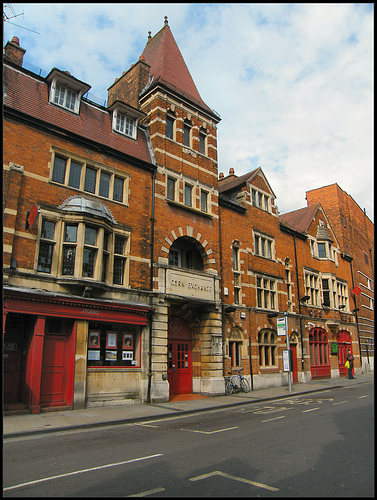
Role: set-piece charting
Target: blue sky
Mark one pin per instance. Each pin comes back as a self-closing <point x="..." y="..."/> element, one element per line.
<point x="293" y="83"/>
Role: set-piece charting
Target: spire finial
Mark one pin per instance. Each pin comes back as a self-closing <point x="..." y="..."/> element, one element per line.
<point x="166" y="21"/>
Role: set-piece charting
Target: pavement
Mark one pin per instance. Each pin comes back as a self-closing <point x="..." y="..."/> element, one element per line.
<point x="42" y="423"/>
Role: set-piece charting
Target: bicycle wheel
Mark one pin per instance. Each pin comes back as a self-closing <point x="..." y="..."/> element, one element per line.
<point x="229" y="388"/>
<point x="244" y="385"/>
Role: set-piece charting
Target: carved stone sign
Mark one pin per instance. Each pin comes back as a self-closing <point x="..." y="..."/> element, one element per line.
<point x="189" y="284"/>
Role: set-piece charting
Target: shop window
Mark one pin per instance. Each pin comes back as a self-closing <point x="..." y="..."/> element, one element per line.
<point x="267" y="348"/>
<point x="113" y="346"/>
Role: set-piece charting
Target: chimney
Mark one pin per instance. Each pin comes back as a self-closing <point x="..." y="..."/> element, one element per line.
<point x="128" y="87"/>
<point x="13" y="52"/>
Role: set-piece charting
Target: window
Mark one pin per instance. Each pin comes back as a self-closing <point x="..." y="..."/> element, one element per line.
<point x="125" y="124"/>
<point x="326" y="292"/>
<point x="267" y="348"/>
<point x="202" y="141"/>
<point x="170" y="189"/>
<point x="234" y="353"/>
<point x="188" y="195"/>
<point x="266" y="293"/>
<point x="87" y="251"/>
<point x="263" y="246"/>
<point x="322" y="250"/>
<point x="46" y="246"/>
<point x="81" y="176"/>
<point x="170" y="126"/>
<point x="312" y="288"/>
<point x="187" y="133"/>
<point x="203" y="201"/>
<point x="183" y="253"/>
<point x="341" y="295"/>
<point x="65" y="97"/>
<point x="113" y="345"/>
<point x="235" y="255"/>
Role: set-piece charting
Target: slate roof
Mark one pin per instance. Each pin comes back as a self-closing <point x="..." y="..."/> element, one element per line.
<point x="228" y="184"/>
<point x="300" y="219"/>
<point x="168" y="67"/>
<point x="28" y="94"/>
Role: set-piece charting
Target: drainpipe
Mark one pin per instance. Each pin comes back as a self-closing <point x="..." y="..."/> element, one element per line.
<point x="299" y="304"/>
<point x="150" y="317"/>
<point x="350" y="259"/>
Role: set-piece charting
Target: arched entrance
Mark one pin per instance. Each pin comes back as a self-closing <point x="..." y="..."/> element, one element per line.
<point x="344" y="343"/>
<point x="179" y="356"/>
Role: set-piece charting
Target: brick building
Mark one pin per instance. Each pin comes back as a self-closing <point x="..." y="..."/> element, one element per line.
<point x="355" y="233"/>
<point x="288" y="266"/>
<point x="131" y="271"/>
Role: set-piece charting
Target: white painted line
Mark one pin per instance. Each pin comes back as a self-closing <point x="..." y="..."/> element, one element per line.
<point x="276" y="418"/>
<point x="80" y="472"/>
<point x="312" y="409"/>
<point x="340" y="403"/>
<point x="146" y="493"/>
<point x="210" y="432"/>
<point x="360" y="397"/>
<point x="146" y="425"/>
<point x="241" y="479"/>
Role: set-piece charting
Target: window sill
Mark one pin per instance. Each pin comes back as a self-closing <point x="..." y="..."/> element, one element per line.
<point x="190" y="209"/>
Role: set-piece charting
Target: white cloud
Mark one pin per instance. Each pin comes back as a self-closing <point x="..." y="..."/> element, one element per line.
<point x="293" y="83"/>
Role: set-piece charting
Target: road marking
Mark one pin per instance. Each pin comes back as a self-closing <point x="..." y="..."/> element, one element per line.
<point x="210" y="432"/>
<point x="367" y="396"/>
<point x="340" y="403"/>
<point x="79" y="472"/>
<point x="241" y="479"/>
<point x="146" y="493"/>
<point x="276" y="418"/>
<point x="147" y="425"/>
<point x="311" y="409"/>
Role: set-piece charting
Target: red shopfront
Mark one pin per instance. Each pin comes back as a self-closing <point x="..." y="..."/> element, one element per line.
<point x="40" y="344"/>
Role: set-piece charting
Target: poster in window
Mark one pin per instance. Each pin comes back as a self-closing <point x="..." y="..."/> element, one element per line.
<point x="111" y="340"/>
<point x="111" y="355"/>
<point x="127" y="356"/>
<point x="94" y="355"/>
<point x="128" y="341"/>
<point x="94" y="340"/>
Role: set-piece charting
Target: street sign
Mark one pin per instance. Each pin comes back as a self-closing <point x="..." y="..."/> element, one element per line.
<point x="286" y="360"/>
<point x="281" y="324"/>
<point x="356" y="290"/>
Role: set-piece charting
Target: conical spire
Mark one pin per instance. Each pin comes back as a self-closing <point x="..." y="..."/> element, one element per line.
<point x="168" y="67"/>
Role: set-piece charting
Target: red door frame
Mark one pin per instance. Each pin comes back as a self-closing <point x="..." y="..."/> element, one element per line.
<point x="179" y="371"/>
<point x="319" y="353"/>
<point x="293" y="348"/>
<point x="344" y="343"/>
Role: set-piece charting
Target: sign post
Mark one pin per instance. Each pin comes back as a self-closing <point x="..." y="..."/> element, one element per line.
<point x="282" y="328"/>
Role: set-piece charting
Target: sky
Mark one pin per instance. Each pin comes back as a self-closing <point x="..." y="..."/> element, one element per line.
<point x="293" y="83"/>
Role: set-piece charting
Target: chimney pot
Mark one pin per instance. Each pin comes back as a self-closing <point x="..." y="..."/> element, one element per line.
<point x="221" y="175"/>
<point x="231" y="171"/>
<point x="16" y="40"/>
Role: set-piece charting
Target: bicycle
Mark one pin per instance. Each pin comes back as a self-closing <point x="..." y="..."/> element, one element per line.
<point x="237" y="383"/>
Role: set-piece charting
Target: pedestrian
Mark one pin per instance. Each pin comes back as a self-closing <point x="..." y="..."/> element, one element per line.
<point x="350" y="364"/>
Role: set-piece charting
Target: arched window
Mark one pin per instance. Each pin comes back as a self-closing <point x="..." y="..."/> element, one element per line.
<point x="183" y="253"/>
<point x="235" y="346"/>
<point x="267" y="348"/>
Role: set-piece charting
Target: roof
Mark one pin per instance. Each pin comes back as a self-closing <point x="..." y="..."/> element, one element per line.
<point x="28" y="94"/>
<point x="300" y="219"/>
<point x="168" y="68"/>
<point x="232" y="182"/>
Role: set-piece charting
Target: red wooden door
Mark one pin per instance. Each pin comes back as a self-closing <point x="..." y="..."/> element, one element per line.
<point x="12" y="369"/>
<point x="293" y="348"/>
<point x="54" y="371"/>
<point x="179" y="357"/>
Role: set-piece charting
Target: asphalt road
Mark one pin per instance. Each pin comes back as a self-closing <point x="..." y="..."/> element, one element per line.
<point x="320" y="444"/>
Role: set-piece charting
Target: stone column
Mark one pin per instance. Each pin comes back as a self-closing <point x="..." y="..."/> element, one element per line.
<point x="79" y="386"/>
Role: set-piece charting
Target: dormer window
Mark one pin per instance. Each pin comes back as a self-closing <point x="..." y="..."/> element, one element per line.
<point x="125" y="118"/>
<point x="66" y="90"/>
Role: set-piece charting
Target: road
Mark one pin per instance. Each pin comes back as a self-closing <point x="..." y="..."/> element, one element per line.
<point x="319" y="444"/>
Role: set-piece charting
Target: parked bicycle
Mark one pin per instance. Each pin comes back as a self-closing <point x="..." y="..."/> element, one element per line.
<point x="237" y="383"/>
